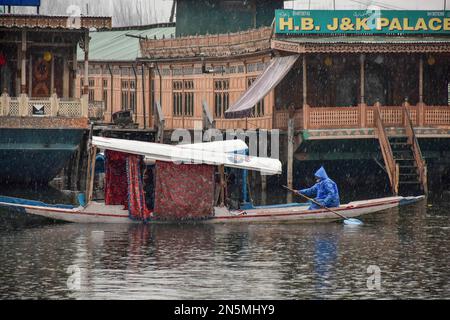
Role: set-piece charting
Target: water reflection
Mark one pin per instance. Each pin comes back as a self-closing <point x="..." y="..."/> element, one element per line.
<point x="279" y="261"/>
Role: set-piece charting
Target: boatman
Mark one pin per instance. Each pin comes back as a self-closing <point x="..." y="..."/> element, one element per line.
<point x="325" y="190"/>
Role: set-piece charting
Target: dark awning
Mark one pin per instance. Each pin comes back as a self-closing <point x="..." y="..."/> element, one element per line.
<point x="274" y="73"/>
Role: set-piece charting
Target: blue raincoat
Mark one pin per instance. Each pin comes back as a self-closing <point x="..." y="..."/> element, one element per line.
<point x="325" y="191"/>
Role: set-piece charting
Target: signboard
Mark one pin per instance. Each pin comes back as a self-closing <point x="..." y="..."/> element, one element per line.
<point x="361" y="22"/>
<point x="38" y="110"/>
<point x="30" y="3"/>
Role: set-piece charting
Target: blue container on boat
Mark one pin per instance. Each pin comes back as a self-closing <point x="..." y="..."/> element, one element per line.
<point x="82" y="199"/>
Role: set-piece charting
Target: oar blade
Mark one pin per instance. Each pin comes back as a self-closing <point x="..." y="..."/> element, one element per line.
<point x="352" y="222"/>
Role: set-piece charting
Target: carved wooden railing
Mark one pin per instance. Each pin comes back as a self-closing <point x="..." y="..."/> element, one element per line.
<point x="363" y="117"/>
<point x="23" y="106"/>
<point x="209" y="45"/>
<point x="281" y="119"/>
<point x="392" y="167"/>
<point x="412" y="140"/>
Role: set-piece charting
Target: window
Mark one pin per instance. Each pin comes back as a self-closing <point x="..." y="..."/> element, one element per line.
<point x="183" y="98"/>
<point x="258" y="109"/>
<point x="105" y="93"/>
<point x="152" y="97"/>
<point x="132" y="87"/>
<point x="128" y="95"/>
<point x="91" y="91"/>
<point x="125" y="95"/>
<point x="221" y="97"/>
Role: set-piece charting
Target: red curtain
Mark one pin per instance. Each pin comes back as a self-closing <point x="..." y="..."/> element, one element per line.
<point x="136" y="200"/>
<point x="184" y="191"/>
<point x="116" y="191"/>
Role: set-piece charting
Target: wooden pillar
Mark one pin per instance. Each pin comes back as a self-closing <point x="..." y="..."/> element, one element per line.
<point x="290" y="156"/>
<point x="86" y="63"/>
<point x="150" y="100"/>
<point x="421" y="80"/>
<point x="263" y="189"/>
<point x="73" y="78"/>
<point x="222" y="185"/>
<point x="66" y="76"/>
<point x="23" y="67"/>
<point x="305" y="93"/>
<point x="30" y="76"/>
<point x="362" y="68"/>
<point x="362" y="92"/>
<point x="52" y="75"/>
<point x="144" y="107"/>
<point x="305" y="79"/>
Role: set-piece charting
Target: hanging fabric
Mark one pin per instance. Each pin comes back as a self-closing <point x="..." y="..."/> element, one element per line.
<point x="184" y="191"/>
<point x="116" y="178"/>
<point x="136" y="199"/>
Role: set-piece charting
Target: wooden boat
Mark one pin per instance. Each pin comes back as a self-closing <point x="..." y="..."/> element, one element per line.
<point x="226" y="154"/>
<point x="96" y="212"/>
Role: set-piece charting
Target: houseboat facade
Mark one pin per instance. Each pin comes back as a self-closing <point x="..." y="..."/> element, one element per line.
<point x="369" y="90"/>
<point x="42" y="121"/>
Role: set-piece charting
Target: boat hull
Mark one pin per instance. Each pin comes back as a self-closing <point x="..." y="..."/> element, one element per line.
<point x="100" y="213"/>
<point x="35" y="155"/>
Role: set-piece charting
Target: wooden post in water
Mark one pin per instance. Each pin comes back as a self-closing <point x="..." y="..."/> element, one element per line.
<point x="222" y="185"/>
<point x="91" y="172"/>
<point x="263" y="189"/>
<point x="88" y="163"/>
<point x="290" y="155"/>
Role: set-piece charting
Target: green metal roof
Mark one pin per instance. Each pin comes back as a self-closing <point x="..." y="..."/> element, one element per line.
<point x="367" y="39"/>
<point x="114" y="45"/>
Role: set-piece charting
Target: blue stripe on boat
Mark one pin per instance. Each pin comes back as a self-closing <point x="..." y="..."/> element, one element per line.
<point x="35" y="203"/>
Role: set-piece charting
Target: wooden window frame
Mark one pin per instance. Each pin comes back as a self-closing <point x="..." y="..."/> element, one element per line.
<point x="183" y="94"/>
<point x="221" y="97"/>
<point x="258" y="110"/>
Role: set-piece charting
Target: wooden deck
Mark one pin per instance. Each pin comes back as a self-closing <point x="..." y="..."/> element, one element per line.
<point x="337" y="122"/>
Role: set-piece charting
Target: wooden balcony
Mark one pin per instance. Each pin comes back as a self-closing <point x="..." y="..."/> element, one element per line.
<point x="263" y="122"/>
<point x="23" y="106"/>
<point x="323" y="118"/>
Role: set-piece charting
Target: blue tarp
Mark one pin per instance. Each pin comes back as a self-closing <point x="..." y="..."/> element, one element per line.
<point x="12" y="200"/>
<point x="31" y="3"/>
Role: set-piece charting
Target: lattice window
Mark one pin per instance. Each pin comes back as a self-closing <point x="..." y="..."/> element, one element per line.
<point x="14" y="108"/>
<point x="221" y="97"/>
<point x="69" y="109"/>
<point x="259" y="109"/>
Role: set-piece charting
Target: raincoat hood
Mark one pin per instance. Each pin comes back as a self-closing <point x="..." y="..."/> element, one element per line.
<point x="321" y="173"/>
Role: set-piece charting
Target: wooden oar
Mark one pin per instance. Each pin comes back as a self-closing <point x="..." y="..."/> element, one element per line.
<point x="346" y="220"/>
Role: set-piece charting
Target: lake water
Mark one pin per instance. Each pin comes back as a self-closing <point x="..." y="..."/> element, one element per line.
<point x="401" y="253"/>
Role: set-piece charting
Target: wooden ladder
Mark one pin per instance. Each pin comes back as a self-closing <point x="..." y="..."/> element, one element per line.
<point x="402" y="156"/>
<point x="392" y="168"/>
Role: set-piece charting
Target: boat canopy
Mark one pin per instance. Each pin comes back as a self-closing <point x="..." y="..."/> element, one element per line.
<point x="271" y="77"/>
<point x="236" y="145"/>
<point x="193" y="154"/>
